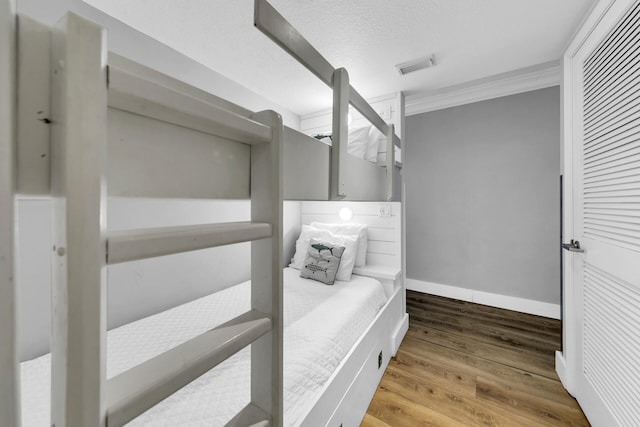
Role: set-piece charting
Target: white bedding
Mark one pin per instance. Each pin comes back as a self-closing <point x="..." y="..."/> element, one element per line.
<point x="321" y="325"/>
<point x="363" y="142"/>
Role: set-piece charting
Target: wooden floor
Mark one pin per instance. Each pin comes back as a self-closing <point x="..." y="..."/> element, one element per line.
<point x="464" y="364"/>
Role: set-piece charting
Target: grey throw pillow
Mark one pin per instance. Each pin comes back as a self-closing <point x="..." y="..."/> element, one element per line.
<point x="322" y="261"/>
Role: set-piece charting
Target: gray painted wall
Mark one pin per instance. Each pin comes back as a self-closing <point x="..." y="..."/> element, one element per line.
<point x="482" y="196"/>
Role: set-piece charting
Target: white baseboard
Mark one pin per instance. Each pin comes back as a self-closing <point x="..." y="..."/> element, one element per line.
<point x="522" y="305"/>
<point x="563" y="373"/>
<point x="561" y="368"/>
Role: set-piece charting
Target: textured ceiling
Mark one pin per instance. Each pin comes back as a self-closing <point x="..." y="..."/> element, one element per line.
<point x="471" y="39"/>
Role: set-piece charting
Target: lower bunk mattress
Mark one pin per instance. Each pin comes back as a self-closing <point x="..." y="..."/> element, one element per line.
<point x="322" y="323"/>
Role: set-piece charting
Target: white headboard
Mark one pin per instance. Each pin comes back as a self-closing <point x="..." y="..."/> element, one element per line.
<point x="384" y="221"/>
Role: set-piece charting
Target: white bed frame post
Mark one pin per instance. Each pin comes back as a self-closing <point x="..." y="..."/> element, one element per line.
<point x="79" y="144"/>
<point x="390" y="161"/>
<point x="340" y="134"/>
<point x="9" y="371"/>
<point x="266" y="270"/>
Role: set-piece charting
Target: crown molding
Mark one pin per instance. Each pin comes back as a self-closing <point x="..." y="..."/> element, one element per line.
<point x="524" y="80"/>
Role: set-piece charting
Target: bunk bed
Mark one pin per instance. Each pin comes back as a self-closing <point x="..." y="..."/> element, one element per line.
<point x="100" y="104"/>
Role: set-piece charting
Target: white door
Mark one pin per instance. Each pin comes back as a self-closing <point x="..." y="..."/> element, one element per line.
<point x="605" y="74"/>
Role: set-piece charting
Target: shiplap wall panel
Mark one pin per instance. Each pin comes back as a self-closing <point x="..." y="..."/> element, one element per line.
<point x="364" y="209"/>
<point x="385" y="233"/>
<point x="382" y="248"/>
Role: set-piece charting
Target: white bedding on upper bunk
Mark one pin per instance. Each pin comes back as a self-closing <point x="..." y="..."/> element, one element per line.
<point x="364" y="142"/>
<point x="322" y="323"/>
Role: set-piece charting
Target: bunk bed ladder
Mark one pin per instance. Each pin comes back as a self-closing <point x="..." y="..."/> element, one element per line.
<point x="82" y="90"/>
<point x="267" y="291"/>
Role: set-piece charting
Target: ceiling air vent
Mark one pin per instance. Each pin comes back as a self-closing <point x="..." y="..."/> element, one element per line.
<point x="415" y="65"/>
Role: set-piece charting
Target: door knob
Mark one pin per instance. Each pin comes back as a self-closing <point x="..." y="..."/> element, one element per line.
<point x="573" y="246"/>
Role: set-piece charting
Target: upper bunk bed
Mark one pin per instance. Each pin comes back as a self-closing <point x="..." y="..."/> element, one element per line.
<point x="311" y="170"/>
<point x="116" y="128"/>
<point x="345" y="172"/>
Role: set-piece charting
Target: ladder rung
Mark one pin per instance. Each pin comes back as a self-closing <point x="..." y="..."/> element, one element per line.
<point x="140" y="388"/>
<point x="131" y="93"/>
<point x="131" y="245"/>
<point x="250" y="416"/>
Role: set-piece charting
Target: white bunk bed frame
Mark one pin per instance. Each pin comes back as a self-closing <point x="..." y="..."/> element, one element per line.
<point x="278" y="29"/>
<point x="84" y="86"/>
<point x="87" y="85"/>
<point x="9" y="361"/>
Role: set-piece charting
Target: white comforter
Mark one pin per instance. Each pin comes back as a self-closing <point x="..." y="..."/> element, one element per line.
<point x="321" y="325"/>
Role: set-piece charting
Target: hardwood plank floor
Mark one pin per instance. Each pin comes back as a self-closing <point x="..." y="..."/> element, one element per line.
<point x="465" y="364"/>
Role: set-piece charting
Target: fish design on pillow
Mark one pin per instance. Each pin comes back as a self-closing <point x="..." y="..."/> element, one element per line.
<point x="320" y="247"/>
<point x="316" y="268"/>
<point x="322" y="262"/>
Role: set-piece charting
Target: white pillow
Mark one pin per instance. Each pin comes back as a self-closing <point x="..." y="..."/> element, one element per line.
<point x="374" y="139"/>
<point x="359" y="230"/>
<point x="350" y="244"/>
<point x="359" y="142"/>
<point x="348" y="257"/>
<point x="322" y="262"/>
<point x="303" y="243"/>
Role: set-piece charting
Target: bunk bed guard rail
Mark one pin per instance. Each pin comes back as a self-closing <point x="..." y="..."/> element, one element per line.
<point x="268" y="20"/>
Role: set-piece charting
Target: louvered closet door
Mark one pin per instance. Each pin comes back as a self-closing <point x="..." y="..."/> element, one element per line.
<point x="608" y="227"/>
